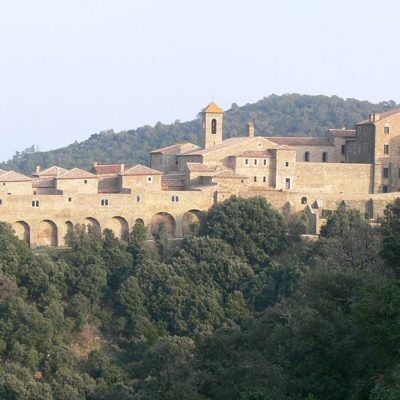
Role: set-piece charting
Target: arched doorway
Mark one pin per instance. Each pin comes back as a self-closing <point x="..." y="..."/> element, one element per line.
<point x="22" y="231"/>
<point x="46" y="234"/>
<point x="92" y="222"/>
<point x="189" y="221"/>
<point x="120" y="227"/>
<point x="163" y="218"/>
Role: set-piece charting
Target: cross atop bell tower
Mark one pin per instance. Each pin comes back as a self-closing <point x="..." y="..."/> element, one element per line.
<point x="212" y="125"/>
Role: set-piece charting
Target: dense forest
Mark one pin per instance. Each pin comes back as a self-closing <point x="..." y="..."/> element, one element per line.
<point x="242" y="309"/>
<point x="290" y="114"/>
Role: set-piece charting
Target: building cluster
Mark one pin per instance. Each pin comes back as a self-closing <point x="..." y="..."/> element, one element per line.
<point x="357" y="168"/>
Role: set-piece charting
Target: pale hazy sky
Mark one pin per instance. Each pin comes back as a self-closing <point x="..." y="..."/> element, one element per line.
<point x="70" y="68"/>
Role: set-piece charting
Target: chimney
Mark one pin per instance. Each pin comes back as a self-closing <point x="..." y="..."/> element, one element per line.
<point x="122" y="168"/>
<point x="95" y="164"/>
<point x="38" y="169"/>
<point x="376" y="117"/>
<point x="250" y="129"/>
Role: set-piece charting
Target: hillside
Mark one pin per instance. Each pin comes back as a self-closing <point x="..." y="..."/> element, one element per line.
<point x="289" y="114"/>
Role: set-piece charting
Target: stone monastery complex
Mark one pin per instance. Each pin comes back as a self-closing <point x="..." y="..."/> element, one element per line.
<point x="357" y="168"/>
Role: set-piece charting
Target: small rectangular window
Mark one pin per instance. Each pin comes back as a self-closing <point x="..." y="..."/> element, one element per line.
<point x="246" y="161"/>
<point x="264" y="179"/>
<point x="175" y="199"/>
<point x="85" y="181"/>
<point x="149" y="179"/>
<point x="1" y="202"/>
<point x="324" y="156"/>
<point x="386" y="172"/>
<point x="35" y="203"/>
<point x="287" y="183"/>
<point x="255" y="179"/>
<point x="255" y="161"/>
<point x="265" y="161"/>
<point x="386" y="129"/>
<point x="287" y="163"/>
<point x="104" y="202"/>
<point x="343" y="149"/>
<point x="307" y="156"/>
<point x="69" y="199"/>
<point x="385" y="189"/>
<point x="386" y="149"/>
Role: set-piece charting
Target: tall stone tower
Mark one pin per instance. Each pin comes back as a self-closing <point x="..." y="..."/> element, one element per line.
<point x="212" y="125"/>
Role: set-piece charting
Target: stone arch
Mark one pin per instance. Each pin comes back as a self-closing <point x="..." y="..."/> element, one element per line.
<point x="120" y="227"/>
<point x="189" y="219"/>
<point x="163" y="218"/>
<point x="69" y="227"/>
<point x="139" y="221"/>
<point x="90" y="221"/>
<point x="23" y="231"/>
<point x="47" y="234"/>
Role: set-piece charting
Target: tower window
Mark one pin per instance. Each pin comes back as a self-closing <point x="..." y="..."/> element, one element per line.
<point x="386" y="172"/>
<point x="287" y="183"/>
<point x="324" y="156"/>
<point x="307" y="156"/>
<point x="386" y="149"/>
<point x="214" y="126"/>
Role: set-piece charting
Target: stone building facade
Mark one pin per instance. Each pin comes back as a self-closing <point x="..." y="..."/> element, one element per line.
<point x="358" y="168"/>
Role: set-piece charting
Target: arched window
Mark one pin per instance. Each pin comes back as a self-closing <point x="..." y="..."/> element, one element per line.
<point x="214" y="126"/>
<point x="304" y="200"/>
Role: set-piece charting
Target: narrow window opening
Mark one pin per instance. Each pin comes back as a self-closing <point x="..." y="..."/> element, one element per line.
<point x="214" y="126"/>
<point x="307" y="156"/>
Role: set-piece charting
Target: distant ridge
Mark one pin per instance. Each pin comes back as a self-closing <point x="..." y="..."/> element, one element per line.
<point x="289" y="114"/>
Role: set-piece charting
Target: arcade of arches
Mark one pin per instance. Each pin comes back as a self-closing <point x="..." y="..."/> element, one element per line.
<point x="49" y="233"/>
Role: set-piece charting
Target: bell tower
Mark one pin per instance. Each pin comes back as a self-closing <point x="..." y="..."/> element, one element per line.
<point x="212" y="125"/>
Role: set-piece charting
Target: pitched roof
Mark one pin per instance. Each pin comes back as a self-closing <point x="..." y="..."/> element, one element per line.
<point x="225" y="143"/>
<point x="52" y="171"/>
<point x="176" y="148"/>
<point x="13" y="176"/>
<point x="381" y="116"/>
<point x="44" y="183"/>
<point x="77" y="173"/>
<point x="140" y="169"/>
<point x="2" y="171"/>
<point x="229" y="174"/>
<point x="213" y="108"/>
<point x="300" y="140"/>
<point x="343" y="133"/>
<point x="197" y="167"/>
<point x="109" y="169"/>
<point x="254" y="153"/>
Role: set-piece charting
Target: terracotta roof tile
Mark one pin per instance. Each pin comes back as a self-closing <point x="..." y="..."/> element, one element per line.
<point x="229" y="174"/>
<point x="13" y="176"/>
<point x="2" y="171"/>
<point x="176" y="148"/>
<point x="213" y="108"/>
<point x="344" y="133"/>
<point x="300" y="141"/>
<point x="381" y="116"/>
<point x="197" y="167"/>
<point x="140" y="169"/>
<point x="109" y="169"/>
<point x="52" y="171"/>
<point x="77" y="173"/>
<point x="222" y="145"/>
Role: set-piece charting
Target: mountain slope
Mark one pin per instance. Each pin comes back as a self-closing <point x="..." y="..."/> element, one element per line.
<point x="286" y="115"/>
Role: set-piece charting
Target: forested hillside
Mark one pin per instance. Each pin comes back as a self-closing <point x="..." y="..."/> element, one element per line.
<point x="242" y="310"/>
<point x="290" y="114"/>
